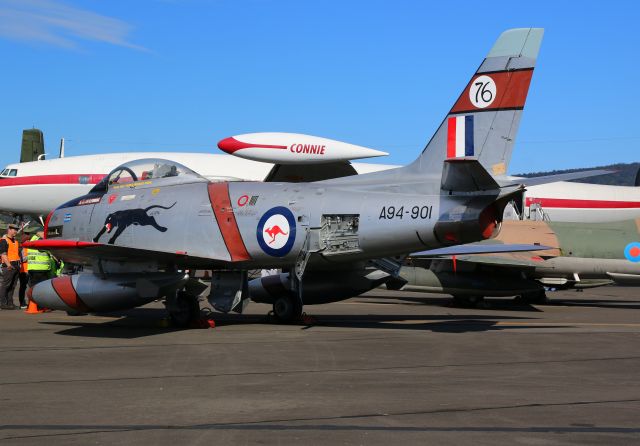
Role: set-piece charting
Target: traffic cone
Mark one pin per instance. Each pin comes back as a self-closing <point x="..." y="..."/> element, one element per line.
<point x="33" y="308"/>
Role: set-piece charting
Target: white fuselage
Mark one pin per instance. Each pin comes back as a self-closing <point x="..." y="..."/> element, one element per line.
<point x="581" y="202"/>
<point x="37" y="187"/>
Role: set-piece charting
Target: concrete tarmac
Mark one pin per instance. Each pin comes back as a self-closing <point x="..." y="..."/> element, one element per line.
<point x="384" y="368"/>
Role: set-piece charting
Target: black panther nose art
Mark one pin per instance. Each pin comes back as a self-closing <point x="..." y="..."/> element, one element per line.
<point x="123" y="219"/>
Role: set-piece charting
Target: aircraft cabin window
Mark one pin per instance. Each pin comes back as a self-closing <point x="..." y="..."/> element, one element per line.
<point x="4" y="173"/>
<point x="13" y="172"/>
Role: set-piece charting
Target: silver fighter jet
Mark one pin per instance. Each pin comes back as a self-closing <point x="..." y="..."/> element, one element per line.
<point x="149" y="220"/>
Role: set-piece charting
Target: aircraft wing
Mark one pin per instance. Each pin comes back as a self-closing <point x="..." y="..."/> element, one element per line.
<point x="306" y="173"/>
<point x="87" y="253"/>
<point x="479" y="249"/>
<point x="499" y="261"/>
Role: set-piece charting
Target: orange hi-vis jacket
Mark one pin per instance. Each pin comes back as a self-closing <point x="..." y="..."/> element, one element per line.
<point x="13" y="253"/>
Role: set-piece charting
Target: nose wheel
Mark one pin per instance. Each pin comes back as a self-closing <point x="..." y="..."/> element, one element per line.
<point x="287" y="308"/>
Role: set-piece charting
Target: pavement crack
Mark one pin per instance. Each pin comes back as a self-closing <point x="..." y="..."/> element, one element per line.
<point x="313" y="371"/>
<point x="288" y="423"/>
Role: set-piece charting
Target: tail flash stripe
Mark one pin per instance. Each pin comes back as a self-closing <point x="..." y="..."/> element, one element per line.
<point x="460" y="136"/>
<point x="511" y="92"/>
<point x="451" y="137"/>
<point x="63" y="286"/>
<point x="468" y="136"/>
<point x="223" y="210"/>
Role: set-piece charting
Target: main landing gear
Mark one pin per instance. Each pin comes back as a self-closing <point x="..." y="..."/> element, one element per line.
<point x="287" y="308"/>
<point x="183" y="308"/>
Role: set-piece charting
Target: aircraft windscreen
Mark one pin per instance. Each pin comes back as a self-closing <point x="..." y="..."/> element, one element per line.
<point x="9" y="173"/>
<point x="144" y="170"/>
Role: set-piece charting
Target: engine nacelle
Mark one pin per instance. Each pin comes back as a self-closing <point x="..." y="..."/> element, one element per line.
<point x="89" y="293"/>
<point x="316" y="289"/>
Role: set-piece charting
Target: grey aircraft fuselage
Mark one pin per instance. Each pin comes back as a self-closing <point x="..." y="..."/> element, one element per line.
<point x="247" y="225"/>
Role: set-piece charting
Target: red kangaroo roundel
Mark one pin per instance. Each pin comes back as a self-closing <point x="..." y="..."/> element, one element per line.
<point x="276" y="231"/>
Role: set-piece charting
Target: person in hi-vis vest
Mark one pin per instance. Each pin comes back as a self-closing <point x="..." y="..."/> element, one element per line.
<point x="23" y="275"/>
<point x="39" y="263"/>
<point x="10" y="255"/>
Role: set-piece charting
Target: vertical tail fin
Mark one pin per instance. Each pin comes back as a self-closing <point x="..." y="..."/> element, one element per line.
<point x="484" y="120"/>
<point x="32" y="145"/>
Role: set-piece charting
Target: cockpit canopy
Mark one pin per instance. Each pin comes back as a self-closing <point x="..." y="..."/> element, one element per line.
<point x="142" y="171"/>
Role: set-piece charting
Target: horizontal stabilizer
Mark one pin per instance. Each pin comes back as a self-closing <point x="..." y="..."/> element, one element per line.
<point x="466" y="175"/>
<point x="535" y="181"/>
<point x="479" y="249"/>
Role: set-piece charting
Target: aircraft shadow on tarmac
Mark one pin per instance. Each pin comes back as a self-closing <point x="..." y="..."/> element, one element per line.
<point x="599" y="303"/>
<point x="143" y="322"/>
<point x="130" y="324"/>
<point x="511" y="304"/>
<point x="502" y="304"/>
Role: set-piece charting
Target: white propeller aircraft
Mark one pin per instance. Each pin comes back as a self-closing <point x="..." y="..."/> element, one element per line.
<point x="35" y="188"/>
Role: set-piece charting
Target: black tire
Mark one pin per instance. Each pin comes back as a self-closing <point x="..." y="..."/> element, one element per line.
<point x="466" y="301"/>
<point x="187" y="310"/>
<point x="287" y="309"/>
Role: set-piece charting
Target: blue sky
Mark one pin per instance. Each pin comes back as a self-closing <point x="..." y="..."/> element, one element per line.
<point x="122" y="76"/>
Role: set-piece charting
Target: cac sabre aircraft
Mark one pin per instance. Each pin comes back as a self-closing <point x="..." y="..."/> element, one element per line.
<point x="149" y="219"/>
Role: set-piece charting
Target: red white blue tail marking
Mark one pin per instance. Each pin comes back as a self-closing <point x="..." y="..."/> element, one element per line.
<point x="459" y="136"/>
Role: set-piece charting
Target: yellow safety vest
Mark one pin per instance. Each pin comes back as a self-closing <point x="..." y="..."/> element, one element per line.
<point x="38" y="260"/>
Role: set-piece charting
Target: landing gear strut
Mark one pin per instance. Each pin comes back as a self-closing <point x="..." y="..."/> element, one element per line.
<point x="183" y="309"/>
<point x="287" y="308"/>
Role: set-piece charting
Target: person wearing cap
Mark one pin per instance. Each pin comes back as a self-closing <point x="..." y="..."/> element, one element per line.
<point x="10" y="258"/>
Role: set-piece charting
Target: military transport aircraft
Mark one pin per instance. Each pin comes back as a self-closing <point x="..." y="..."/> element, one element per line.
<point x="149" y="220"/>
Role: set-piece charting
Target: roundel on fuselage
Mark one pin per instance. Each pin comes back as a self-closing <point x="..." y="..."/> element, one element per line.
<point x="276" y="231"/>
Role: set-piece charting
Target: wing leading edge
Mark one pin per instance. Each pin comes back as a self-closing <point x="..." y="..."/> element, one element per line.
<point x="87" y="253"/>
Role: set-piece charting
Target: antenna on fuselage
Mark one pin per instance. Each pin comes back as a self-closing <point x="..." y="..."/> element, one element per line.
<point x="61" y="148"/>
